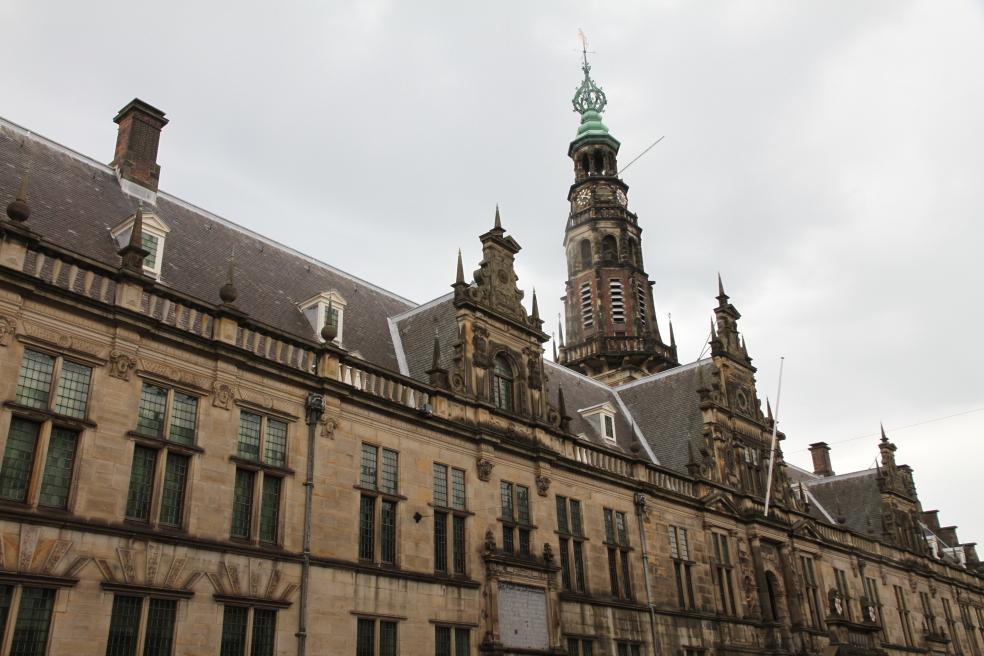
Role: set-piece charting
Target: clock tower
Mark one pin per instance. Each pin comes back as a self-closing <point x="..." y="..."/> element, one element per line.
<point x="611" y="328"/>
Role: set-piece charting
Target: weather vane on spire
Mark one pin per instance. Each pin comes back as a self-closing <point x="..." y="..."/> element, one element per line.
<point x="589" y="96"/>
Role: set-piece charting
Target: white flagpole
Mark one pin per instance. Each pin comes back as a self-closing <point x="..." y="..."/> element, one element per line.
<point x="772" y="449"/>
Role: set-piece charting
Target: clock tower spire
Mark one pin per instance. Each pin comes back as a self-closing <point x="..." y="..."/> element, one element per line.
<point x="612" y="334"/>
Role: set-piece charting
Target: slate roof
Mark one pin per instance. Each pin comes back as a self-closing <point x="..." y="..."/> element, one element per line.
<point x="666" y="408"/>
<point x="75" y="202"/>
<point x="854" y="496"/>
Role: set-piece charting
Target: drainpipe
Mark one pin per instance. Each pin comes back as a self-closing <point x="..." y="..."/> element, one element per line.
<point x="640" y="509"/>
<point x="314" y="408"/>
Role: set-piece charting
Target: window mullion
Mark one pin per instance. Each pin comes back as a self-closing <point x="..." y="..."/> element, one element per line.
<point x="157" y="487"/>
<point x="168" y="415"/>
<point x="142" y="626"/>
<point x="248" y="647"/>
<point x="12" y="613"/>
<point x="261" y="455"/>
<point x="37" y="467"/>
<point x="254" y="514"/>
<point x="56" y="371"/>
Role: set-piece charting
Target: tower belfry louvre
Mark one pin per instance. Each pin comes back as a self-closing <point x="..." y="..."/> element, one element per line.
<point x="612" y="331"/>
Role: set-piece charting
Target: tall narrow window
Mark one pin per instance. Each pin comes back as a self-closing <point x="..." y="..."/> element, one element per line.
<point x="379" y="484"/>
<point x="580" y="647"/>
<point x="840" y="578"/>
<point x="874" y="600"/>
<point x="811" y="593"/>
<point x="628" y="648"/>
<point x="375" y="637"/>
<point x="903" y="609"/>
<point x="56" y="433"/>
<point x="723" y="575"/>
<point x="516" y="520"/>
<point x="261" y="461"/>
<point x="617" y="542"/>
<point x="951" y="625"/>
<point x="929" y="618"/>
<point x="245" y="625"/>
<point x="617" y="300"/>
<point x="449" y="509"/>
<point x="570" y="528"/>
<point x="587" y="306"/>
<point x="126" y="621"/>
<point x="502" y="383"/>
<point x="33" y="623"/>
<point x="642" y="307"/>
<point x="451" y="641"/>
<point x="585" y="254"/>
<point x="164" y="437"/>
<point x="680" y="553"/>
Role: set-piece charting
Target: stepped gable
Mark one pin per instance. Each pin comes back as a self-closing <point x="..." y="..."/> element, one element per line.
<point x="76" y="201"/>
<point x="666" y="407"/>
<point x="855" y="497"/>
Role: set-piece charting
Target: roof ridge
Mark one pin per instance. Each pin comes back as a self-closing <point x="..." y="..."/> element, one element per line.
<point x="420" y="308"/>
<point x="578" y="374"/>
<point x="662" y="374"/>
<point x="840" y="477"/>
<point x="85" y="159"/>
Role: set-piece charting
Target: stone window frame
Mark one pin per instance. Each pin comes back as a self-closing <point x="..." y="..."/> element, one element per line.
<point x="259" y="469"/>
<point x="251" y="606"/>
<point x="722" y="571"/>
<point x="571" y="542"/>
<point x="152" y="227"/>
<point x="840" y="582"/>
<point x="373" y="494"/>
<point x="18" y="584"/>
<point x="148" y="594"/>
<point x="813" y="611"/>
<point x="628" y="648"/>
<point x="902" y="606"/>
<point x="377" y="621"/>
<point x="455" y="631"/>
<point x="48" y="419"/>
<point x="455" y="540"/>
<point x="680" y="551"/>
<point x="579" y="645"/>
<point x="517" y="532"/>
<point x="619" y="547"/>
<point x="164" y="447"/>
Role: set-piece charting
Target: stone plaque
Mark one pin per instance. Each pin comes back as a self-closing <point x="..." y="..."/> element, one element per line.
<point x="523" y="617"/>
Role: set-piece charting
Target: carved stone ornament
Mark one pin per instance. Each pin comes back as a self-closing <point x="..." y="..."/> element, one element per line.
<point x="489" y="541"/>
<point x="222" y="395"/>
<point x="836" y="603"/>
<point x="480" y="348"/>
<point x="484" y="468"/>
<point x="7" y="328"/>
<point x="121" y="364"/>
<point x="328" y="426"/>
<point x="548" y="556"/>
<point x="542" y="484"/>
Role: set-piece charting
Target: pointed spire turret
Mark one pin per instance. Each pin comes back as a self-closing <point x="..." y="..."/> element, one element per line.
<point x="459" y="276"/>
<point x="133" y="253"/>
<point x="18" y="210"/>
<point x="536" y="309"/>
<point x="560" y="330"/>
<point x="565" y="421"/>
<point x="721" y="295"/>
<point x="672" y="336"/>
<point x="437" y="374"/>
<point x="768" y="411"/>
<point x="498" y="219"/>
<point x="553" y="340"/>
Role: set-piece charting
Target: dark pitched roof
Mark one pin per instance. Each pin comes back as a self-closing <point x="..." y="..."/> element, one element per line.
<point x="580" y="393"/>
<point x="854" y="496"/>
<point x="415" y="336"/>
<point x="666" y="408"/>
<point x="75" y="202"/>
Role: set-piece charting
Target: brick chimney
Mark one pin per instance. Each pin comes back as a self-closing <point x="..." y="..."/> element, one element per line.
<point x="821" y="459"/>
<point x="136" y="143"/>
<point x="931" y="518"/>
<point x="949" y="535"/>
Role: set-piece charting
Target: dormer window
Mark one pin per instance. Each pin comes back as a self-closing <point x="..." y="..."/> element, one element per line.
<point x="318" y="309"/>
<point x="608" y="423"/>
<point x="602" y="417"/>
<point x="154" y="235"/>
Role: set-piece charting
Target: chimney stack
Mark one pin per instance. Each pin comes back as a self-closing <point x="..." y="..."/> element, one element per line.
<point x="931" y="518"/>
<point x="949" y="535"/>
<point x="136" y="143"/>
<point x="821" y="459"/>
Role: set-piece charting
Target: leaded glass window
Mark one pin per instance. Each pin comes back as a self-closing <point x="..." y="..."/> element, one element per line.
<point x="249" y="436"/>
<point x="57" y="479"/>
<point x="183" y="418"/>
<point x="379" y="475"/>
<point x="569" y="526"/>
<point x="365" y="639"/>
<point x="441" y="486"/>
<point x="234" y="621"/>
<point x="141" y="483"/>
<point x="451" y="641"/>
<point x="275" y="451"/>
<point x="502" y="383"/>
<point x="264" y="632"/>
<point x="18" y="459"/>
<point x="172" y="496"/>
<point x="516" y="519"/>
<point x="150" y="415"/>
<point x="387" y="532"/>
<point x="242" y="503"/>
<point x="33" y="622"/>
<point x="157" y="404"/>
<point x="160" y="627"/>
<point x="270" y="509"/>
<point x="124" y="626"/>
<point x="390" y="472"/>
<point x="367" y="475"/>
<point x="149" y="243"/>
<point x="387" y="638"/>
<point x="367" y="527"/>
<point x="34" y="379"/>
<point x="440" y="541"/>
<point x="6" y="597"/>
<point x="73" y="389"/>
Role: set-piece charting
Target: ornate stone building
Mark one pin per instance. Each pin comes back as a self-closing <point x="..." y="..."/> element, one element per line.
<point x="270" y="456"/>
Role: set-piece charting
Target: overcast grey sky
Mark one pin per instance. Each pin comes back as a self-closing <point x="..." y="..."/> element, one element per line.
<point x="826" y="157"/>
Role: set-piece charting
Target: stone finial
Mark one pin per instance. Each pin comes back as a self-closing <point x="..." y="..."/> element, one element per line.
<point x="133" y="253"/>
<point x="228" y="292"/>
<point x="329" y="331"/>
<point x="18" y="210"/>
<point x="459" y="278"/>
<point x="565" y="420"/>
<point x="498" y="219"/>
<point x="535" y="313"/>
<point x="672" y="336"/>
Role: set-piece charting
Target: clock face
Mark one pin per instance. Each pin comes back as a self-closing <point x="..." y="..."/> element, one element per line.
<point x="620" y="196"/>
<point x="582" y="197"/>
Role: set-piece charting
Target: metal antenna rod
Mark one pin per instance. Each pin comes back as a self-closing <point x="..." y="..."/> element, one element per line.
<point x="775" y="428"/>
<point x="639" y="156"/>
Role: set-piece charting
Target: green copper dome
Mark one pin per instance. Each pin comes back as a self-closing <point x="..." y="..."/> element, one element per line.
<point x="590" y="101"/>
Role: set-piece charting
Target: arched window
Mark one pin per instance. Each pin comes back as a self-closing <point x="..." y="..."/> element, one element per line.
<point x="502" y="383"/>
<point x="609" y="249"/>
<point x="584" y="164"/>
<point x="634" y="253"/>
<point x="599" y="163"/>
<point x="585" y="253"/>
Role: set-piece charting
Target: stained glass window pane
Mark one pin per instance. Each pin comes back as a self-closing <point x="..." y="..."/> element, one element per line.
<point x="150" y="416"/>
<point x="141" y="483"/>
<point x="387" y="638"/>
<point x="124" y="626"/>
<point x="34" y="379"/>
<point x="234" y="631"/>
<point x="440" y="542"/>
<point x="462" y="639"/>
<point x="57" y="479"/>
<point x="270" y="509"/>
<point x="242" y="503"/>
<point x="249" y="436"/>
<point x="275" y="449"/>
<point x="33" y="622"/>
<point x="18" y="458"/>
<point x="387" y="532"/>
<point x="458" y="489"/>
<point x="73" y="389"/>
<point x="367" y="518"/>
<point x="160" y="627"/>
<point x="183" y="415"/>
<point x="367" y="475"/>
<point x="441" y="485"/>
<point x="173" y="494"/>
<point x="365" y="641"/>
<point x="442" y="641"/>
<point x="389" y="475"/>
<point x="264" y="631"/>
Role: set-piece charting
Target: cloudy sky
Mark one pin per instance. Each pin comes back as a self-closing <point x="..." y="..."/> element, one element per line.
<point x="827" y="158"/>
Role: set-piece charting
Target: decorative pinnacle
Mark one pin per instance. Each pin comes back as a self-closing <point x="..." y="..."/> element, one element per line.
<point x="553" y="340"/>
<point x="18" y="210"/>
<point x="136" y="233"/>
<point x="721" y="295"/>
<point x="436" y="359"/>
<point x="884" y="438"/>
<point x="536" y="309"/>
<point x="498" y="220"/>
<point x="228" y="292"/>
<point x="672" y="337"/>
<point x="589" y="96"/>
<point x="133" y="253"/>
<point x="560" y="330"/>
<point x="460" y="276"/>
<point x="329" y="331"/>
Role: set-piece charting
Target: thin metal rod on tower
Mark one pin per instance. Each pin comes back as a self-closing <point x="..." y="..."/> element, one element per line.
<point x="639" y="156"/>
<point x="772" y="449"/>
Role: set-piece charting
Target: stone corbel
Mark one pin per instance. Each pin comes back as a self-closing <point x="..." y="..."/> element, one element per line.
<point x="8" y="327"/>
